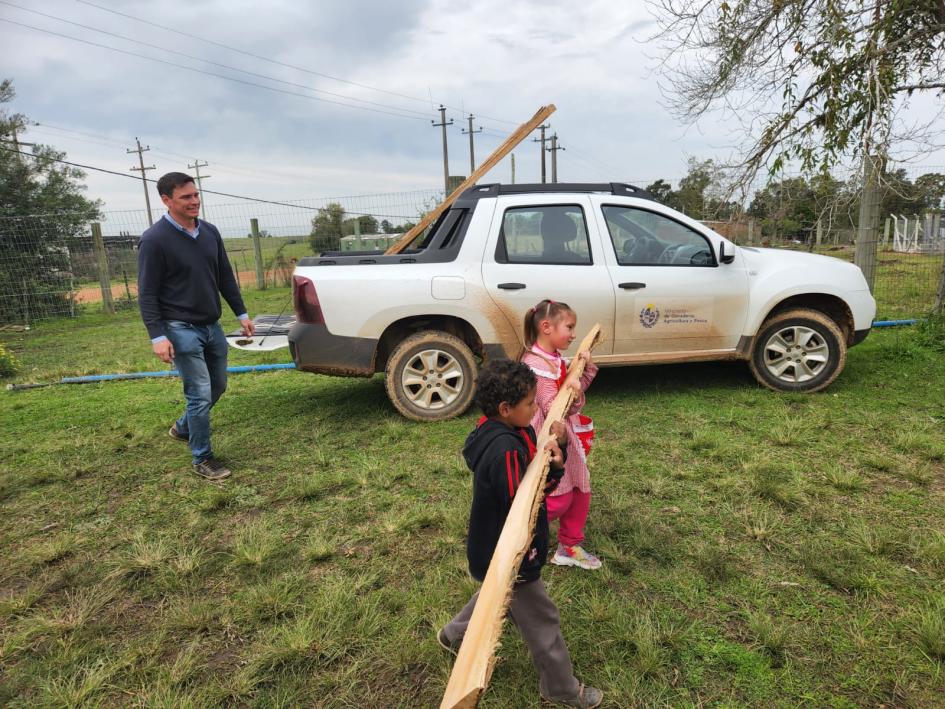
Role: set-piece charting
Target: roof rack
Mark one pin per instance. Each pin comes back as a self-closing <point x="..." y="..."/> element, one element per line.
<point x="477" y="192"/>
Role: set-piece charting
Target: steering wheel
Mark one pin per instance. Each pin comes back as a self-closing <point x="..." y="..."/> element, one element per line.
<point x="669" y="254"/>
<point x="637" y="248"/>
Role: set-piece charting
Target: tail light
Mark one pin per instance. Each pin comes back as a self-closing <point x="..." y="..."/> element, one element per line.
<point x="305" y="301"/>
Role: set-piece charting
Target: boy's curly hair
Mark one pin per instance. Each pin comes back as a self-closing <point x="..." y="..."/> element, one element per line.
<point x="503" y="380"/>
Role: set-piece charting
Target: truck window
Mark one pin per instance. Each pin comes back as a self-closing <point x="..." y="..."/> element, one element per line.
<point x="546" y="234"/>
<point x="644" y="238"/>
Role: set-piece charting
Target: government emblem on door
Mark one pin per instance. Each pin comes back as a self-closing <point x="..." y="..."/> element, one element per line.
<point x="649" y="316"/>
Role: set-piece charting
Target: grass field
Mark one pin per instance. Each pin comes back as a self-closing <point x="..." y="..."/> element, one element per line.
<point x="759" y="549"/>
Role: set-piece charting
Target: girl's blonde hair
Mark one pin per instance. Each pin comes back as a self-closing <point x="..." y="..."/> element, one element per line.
<point x="546" y="309"/>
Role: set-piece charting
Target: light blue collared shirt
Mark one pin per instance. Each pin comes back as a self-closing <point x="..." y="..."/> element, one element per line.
<point x="193" y="235"/>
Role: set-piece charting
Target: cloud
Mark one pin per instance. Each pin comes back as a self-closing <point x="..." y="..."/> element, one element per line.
<point x="496" y="59"/>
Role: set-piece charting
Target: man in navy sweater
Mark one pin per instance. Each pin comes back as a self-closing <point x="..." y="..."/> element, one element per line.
<point x="182" y="271"/>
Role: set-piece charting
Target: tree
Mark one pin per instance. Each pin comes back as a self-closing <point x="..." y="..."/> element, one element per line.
<point x="389" y="228"/>
<point x="903" y="196"/>
<point x="931" y="190"/>
<point x="42" y="210"/>
<point x="660" y="189"/>
<point x="326" y="227"/>
<point x="810" y="81"/>
<point x="701" y="193"/>
<point x="367" y="224"/>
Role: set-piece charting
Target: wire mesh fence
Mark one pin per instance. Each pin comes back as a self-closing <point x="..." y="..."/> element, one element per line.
<point x="51" y="265"/>
<point x="908" y="257"/>
<point x="59" y="273"/>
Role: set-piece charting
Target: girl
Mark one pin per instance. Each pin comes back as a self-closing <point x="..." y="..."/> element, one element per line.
<point x="549" y="328"/>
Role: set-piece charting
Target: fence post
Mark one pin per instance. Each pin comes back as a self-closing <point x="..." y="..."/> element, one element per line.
<point x="864" y="254"/>
<point x="101" y="259"/>
<point x="71" y="284"/>
<point x="940" y="292"/>
<point x="257" y="253"/>
<point x="26" y="303"/>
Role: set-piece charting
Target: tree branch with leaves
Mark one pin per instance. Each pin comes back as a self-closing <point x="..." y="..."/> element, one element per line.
<point x="812" y="82"/>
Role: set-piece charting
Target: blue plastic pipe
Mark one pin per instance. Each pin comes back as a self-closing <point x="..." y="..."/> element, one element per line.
<point x="167" y="373"/>
<point x="893" y="323"/>
<point x="90" y="378"/>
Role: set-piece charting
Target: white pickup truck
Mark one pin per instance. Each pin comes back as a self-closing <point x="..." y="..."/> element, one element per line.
<point x="663" y="287"/>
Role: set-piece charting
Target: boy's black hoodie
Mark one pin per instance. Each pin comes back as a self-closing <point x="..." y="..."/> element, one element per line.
<point x="498" y="455"/>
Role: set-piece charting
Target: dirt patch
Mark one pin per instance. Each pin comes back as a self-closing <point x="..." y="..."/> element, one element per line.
<point x="93" y="294"/>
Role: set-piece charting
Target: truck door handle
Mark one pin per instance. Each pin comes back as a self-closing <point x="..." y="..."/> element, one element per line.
<point x="511" y="286"/>
<point x="632" y="286"/>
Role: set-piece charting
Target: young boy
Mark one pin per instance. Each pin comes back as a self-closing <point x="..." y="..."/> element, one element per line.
<point x="498" y="451"/>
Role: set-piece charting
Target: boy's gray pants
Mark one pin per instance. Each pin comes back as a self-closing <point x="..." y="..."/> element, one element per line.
<point x="535" y="614"/>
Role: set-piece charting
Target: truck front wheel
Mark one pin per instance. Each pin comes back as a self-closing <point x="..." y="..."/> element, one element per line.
<point x="431" y="376"/>
<point x="798" y="350"/>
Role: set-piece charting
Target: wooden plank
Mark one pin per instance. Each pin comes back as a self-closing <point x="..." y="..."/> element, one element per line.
<point x="474" y="663"/>
<point x="490" y="162"/>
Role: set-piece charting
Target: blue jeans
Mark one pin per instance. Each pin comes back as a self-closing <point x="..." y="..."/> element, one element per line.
<point x="200" y="357"/>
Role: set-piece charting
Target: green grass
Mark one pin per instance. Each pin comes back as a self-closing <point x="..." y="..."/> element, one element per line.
<point x="745" y="563"/>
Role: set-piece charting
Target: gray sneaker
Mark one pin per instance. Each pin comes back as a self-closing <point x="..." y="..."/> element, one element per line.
<point x="177" y="435"/>
<point x="452" y="647"/>
<point x="587" y="698"/>
<point x="211" y="469"/>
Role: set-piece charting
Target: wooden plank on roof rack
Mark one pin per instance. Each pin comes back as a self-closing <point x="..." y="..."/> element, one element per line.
<point x="473" y="667"/>
<point x="507" y="146"/>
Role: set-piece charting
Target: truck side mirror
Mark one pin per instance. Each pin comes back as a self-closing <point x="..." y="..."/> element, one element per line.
<point x="724" y="257"/>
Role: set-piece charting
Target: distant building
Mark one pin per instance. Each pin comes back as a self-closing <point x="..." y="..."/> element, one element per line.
<point x="368" y="242"/>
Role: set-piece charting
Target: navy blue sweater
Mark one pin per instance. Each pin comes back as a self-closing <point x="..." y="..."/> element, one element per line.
<point x="181" y="278"/>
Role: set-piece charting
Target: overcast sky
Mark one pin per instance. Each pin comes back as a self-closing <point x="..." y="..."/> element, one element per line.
<point x="499" y="60"/>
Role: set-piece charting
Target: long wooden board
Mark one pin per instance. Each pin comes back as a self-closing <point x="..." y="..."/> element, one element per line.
<point x="507" y="146"/>
<point x="473" y="667"/>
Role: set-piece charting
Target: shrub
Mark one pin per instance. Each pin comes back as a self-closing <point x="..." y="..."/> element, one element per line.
<point x="9" y="365"/>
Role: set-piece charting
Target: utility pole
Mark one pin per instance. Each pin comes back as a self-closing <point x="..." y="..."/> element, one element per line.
<point x="196" y="167"/>
<point x="446" y="161"/>
<point x="513" y="168"/>
<point x="472" y="152"/>
<point x="542" y="140"/>
<point x="144" y="179"/>
<point x="554" y="157"/>
<point x="16" y="146"/>
<point x="14" y="126"/>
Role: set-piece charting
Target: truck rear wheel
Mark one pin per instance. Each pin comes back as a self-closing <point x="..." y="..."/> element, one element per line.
<point x="798" y="350"/>
<point x="431" y="376"/>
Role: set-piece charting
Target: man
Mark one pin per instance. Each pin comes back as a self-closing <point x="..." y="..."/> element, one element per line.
<point x="182" y="270"/>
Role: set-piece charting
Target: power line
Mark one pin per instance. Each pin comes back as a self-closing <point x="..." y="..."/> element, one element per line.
<point x="222" y="194"/>
<point x="208" y="73"/>
<point x="238" y="169"/>
<point x="178" y="31"/>
<point x="207" y="61"/>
